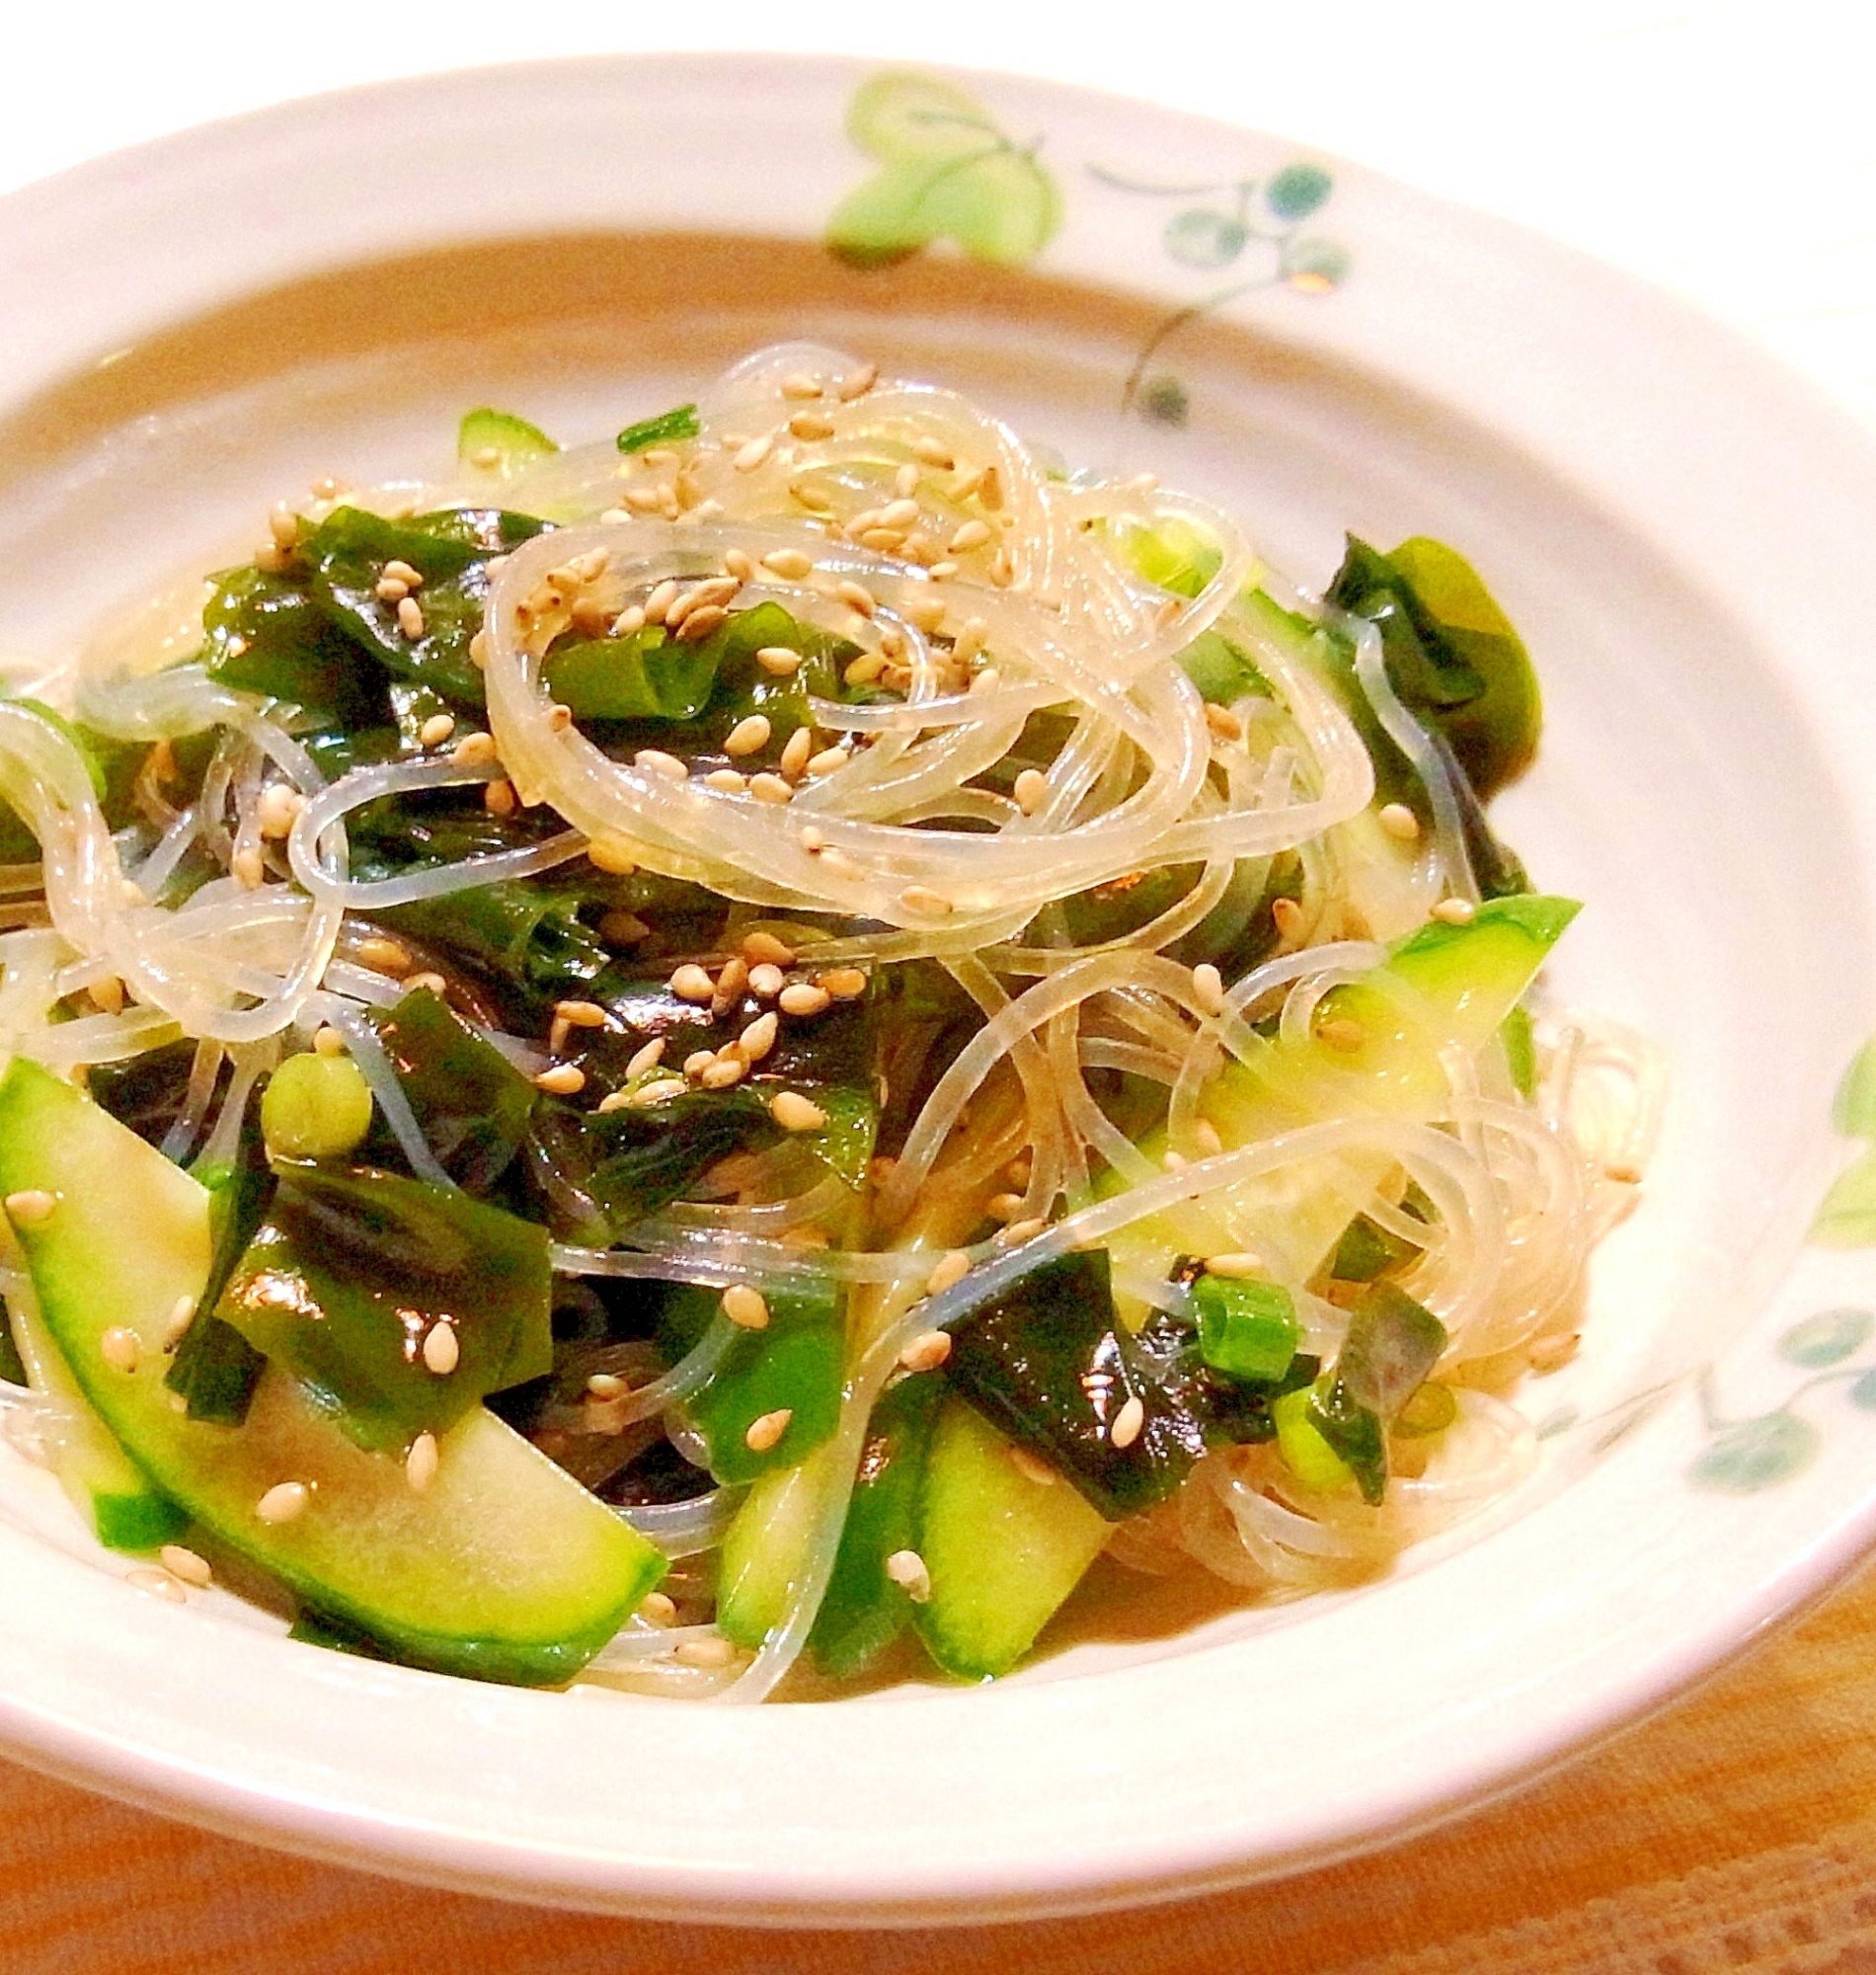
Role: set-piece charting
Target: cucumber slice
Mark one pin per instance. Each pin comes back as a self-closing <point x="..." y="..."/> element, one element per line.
<point x="772" y="1538"/>
<point x="504" y="1569"/>
<point x="1444" y="986"/>
<point x="1003" y="1550"/>
<point x="108" y="1488"/>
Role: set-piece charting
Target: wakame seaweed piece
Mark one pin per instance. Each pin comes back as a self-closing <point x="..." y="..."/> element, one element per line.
<point x="267" y="633"/>
<point x="147" y="1092"/>
<point x="353" y="1272"/>
<point x="111" y="764"/>
<point x="214" y="1367"/>
<point x="646" y="674"/>
<point x="1221" y="670"/>
<point x="737" y="688"/>
<point x="599" y="1172"/>
<point x="530" y="933"/>
<point x="795" y="1364"/>
<point x="473" y="1103"/>
<point x="1394" y="1342"/>
<point x="863" y="1610"/>
<point x="1049" y="1363"/>
<point x="1450" y="652"/>
<point x="660" y="1475"/>
<point x="677" y="424"/>
<point x="450" y="550"/>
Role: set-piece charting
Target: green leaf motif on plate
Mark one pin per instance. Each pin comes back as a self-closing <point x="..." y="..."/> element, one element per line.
<point x="1854" y="1114"/>
<point x="1863" y="1392"/>
<point x="1750" y="1455"/>
<point x="946" y="172"/>
<point x="1297" y="191"/>
<point x="1827" y="1338"/>
<point x="1847" y="1217"/>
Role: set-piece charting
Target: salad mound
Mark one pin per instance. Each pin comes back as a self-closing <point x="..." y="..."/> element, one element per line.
<point x="768" y="1042"/>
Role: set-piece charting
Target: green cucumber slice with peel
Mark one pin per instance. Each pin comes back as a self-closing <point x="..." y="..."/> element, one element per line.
<point x="502" y="1568"/>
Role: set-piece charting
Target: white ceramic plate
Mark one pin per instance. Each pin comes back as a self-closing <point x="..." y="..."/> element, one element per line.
<point x="1682" y="531"/>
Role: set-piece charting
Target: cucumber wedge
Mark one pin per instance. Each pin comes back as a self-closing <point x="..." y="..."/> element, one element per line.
<point x="503" y="1568"/>
<point x="108" y="1488"/>
<point x="1444" y="986"/>
<point x="1004" y="1550"/>
<point x="771" y="1540"/>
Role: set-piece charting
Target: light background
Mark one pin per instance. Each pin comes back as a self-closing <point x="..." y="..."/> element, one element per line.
<point x="1727" y="151"/>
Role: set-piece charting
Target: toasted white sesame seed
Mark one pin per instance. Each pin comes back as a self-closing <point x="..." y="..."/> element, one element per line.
<point x="284" y="526"/>
<point x="498" y="798"/>
<point x="1019" y="1231"/>
<point x="907" y="1569"/>
<point x="746" y="1308"/>
<point x="437" y="728"/>
<point x="811" y="841"/>
<point x="279" y="809"/>
<point x="726" y="782"/>
<point x="748" y="736"/>
<point x="474" y="750"/>
<point x="106" y="996"/>
<point x="801" y="384"/>
<point x="1624" y="1172"/>
<point x="791" y="565"/>
<point x="738" y="562"/>
<point x="1399" y="821"/>
<point x="1207" y="988"/>
<point x="798" y="751"/>
<point x="927" y="1351"/>
<point x="1172" y="1161"/>
<point x="1003" y="1206"/>
<point x="830" y="761"/>
<point x="661" y="1090"/>
<point x="698" y="1060"/>
<point x="969" y="640"/>
<point x="441" y="1352"/>
<point x="30" y="1207"/>
<point x="705" y="1653"/>
<point x="186" y="1564"/>
<point x="723" y="1071"/>
<point x="663" y="595"/>
<point x="802" y="997"/>
<point x="327" y="1041"/>
<point x="690" y="982"/>
<point x="419" y="1464"/>
<point x="1286" y="916"/>
<point x="182" y="1316"/>
<point x="607" y="1385"/>
<point x="564" y="1080"/>
<point x="921" y="898"/>
<point x="988" y="680"/>
<point x="971" y="535"/>
<point x="951" y="1268"/>
<point x="759" y="1037"/>
<point x="765" y="1430"/>
<point x="654" y="761"/>
<point x="613" y="856"/>
<point x="1128" y="1422"/>
<point x="699" y="624"/>
<point x="158" y="1581"/>
<point x="1455" y="912"/>
<point x="656" y="1609"/>
<point x="1204" y="1134"/>
<point x="865" y="668"/>
<point x="933" y="452"/>
<point x="582" y="1014"/>
<point x="1030" y="1466"/>
<point x="810" y="426"/>
<point x="857" y="383"/>
<point x="282" y="1502"/>
<point x="856" y="596"/>
<point x="383" y="955"/>
<point x="764" y="949"/>
<point x="120" y="1347"/>
<point x="479" y="651"/>
<point x="559" y="718"/>
<point x="1238" y="1266"/>
<point x="647" y="1058"/>
<point x="845" y="984"/>
<point x="249" y="866"/>
<point x="1342" y="1034"/>
<point x="1223" y="722"/>
<point x="409" y="618"/>
<point x="766" y="981"/>
<point x="778" y="660"/>
<point x="620" y="928"/>
<point x="771" y="789"/>
<point x="434" y="983"/>
<point x="795" y="1113"/>
<point x="1032" y="790"/>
